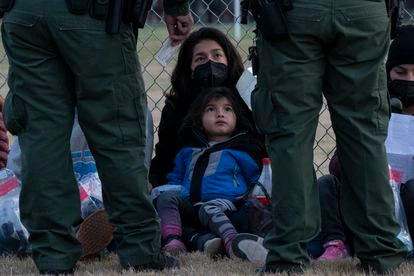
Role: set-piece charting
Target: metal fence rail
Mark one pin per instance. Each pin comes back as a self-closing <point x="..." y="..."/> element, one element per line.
<point x="222" y="14"/>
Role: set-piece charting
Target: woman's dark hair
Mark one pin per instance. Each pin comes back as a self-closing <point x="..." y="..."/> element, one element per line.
<point x="193" y="120"/>
<point x="182" y="86"/>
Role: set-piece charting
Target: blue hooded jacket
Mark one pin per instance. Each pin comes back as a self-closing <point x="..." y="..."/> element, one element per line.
<point x="224" y="170"/>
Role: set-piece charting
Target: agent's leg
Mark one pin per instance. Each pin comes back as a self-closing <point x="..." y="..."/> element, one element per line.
<point x="40" y="110"/>
<point x="112" y="108"/>
<point x="355" y="88"/>
<point x="286" y="107"/>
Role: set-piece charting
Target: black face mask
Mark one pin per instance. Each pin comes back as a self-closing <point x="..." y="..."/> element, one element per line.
<point x="210" y="74"/>
<point x="403" y="90"/>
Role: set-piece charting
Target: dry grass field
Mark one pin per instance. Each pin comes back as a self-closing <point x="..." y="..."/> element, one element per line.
<point x="192" y="264"/>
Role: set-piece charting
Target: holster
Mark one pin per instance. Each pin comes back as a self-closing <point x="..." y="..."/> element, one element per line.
<point x="136" y="12"/>
<point x="270" y="18"/>
<point x="114" y="12"/>
<point x="78" y="6"/>
<point x="99" y="9"/>
<point x="5" y="6"/>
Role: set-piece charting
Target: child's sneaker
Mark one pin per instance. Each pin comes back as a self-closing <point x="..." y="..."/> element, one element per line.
<point x="206" y="242"/>
<point x="250" y="247"/>
<point x="334" y="250"/>
<point x="174" y="247"/>
<point x="213" y="247"/>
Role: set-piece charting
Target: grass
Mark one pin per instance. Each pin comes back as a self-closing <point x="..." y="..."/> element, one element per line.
<point x="193" y="264"/>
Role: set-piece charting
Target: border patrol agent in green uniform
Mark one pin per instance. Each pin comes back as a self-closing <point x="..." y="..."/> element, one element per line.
<point x="335" y="48"/>
<point x="59" y="60"/>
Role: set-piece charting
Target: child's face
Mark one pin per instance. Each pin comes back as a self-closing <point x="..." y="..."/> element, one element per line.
<point x="219" y="119"/>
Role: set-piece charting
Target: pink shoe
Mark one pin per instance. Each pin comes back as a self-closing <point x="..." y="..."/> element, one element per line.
<point x="334" y="250"/>
<point x="174" y="247"/>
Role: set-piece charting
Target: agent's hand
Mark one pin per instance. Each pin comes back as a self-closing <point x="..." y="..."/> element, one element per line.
<point x="4" y="143"/>
<point x="179" y="27"/>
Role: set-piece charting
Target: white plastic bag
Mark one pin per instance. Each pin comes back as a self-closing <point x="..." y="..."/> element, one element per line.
<point x="13" y="235"/>
<point x="404" y="234"/>
<point x="245" y="86"/>
<point x="90" y="190"/>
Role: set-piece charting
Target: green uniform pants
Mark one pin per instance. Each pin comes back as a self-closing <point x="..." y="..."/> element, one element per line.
<point x="59" y="61"/>
<point x="336" y="47"/>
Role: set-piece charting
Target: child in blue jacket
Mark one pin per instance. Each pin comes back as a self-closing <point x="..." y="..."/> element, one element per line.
<point x="221" y="160"/>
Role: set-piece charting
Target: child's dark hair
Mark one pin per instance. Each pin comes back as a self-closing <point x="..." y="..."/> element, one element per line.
<point x="194" y="117"/>
<point x="181" y="76"/>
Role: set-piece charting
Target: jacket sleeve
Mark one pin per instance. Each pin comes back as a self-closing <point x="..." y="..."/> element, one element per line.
<point x="249" y="167"/>
<point x="176" y="7"/>
<point x="167" y="147"/>
<point x="176" y="177"/>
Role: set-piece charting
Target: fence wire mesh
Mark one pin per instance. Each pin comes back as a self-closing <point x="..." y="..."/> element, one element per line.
<point x="406" y="13"/>
<point x="224" y="15"/>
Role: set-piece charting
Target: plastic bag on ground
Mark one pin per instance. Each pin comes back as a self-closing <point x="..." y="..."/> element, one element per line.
<point x="13" y="235"/>
<point x="404" y="234"/>
<point x="90" y="190"/>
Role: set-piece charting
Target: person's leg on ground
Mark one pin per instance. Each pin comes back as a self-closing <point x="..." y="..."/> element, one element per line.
<point x="214" y="215"/>
<point x="168" y="207"/>
<point x="332" y="233"/>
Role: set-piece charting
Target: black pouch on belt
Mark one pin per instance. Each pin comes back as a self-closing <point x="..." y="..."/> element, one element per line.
<point x="99" y="9"/>
<point x="270" y="18"/>
<point x="78" y="6"/>
<point x="5" y="6"/>
<point x="137" y="12"/>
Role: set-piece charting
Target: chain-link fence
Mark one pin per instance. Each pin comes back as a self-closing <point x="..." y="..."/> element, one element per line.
<point x="224" y="15"/>
<point x="406" y="13"/>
